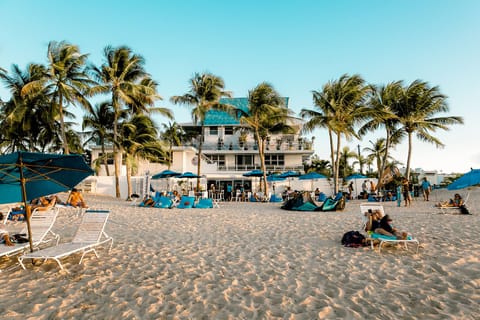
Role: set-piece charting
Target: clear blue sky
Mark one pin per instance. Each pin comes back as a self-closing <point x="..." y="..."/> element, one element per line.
<point x="297" y="46"/>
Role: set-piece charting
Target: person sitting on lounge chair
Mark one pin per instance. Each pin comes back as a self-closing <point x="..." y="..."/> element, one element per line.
<point x="75" y="199"/>
<point x="456" y="202"/>
<point x="382" y="225"/>
<point x="5" y="238"/>
<point x="43" y="203"/>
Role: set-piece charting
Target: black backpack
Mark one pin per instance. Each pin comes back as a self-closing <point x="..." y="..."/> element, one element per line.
<point x="353" y="239"/>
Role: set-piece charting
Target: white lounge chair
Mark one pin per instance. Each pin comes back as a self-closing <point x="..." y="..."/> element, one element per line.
<point x="90" y="234"/>
<point x="41" y="226"/>
<point x="447" y="209"/>
<point x="372" y="236"/>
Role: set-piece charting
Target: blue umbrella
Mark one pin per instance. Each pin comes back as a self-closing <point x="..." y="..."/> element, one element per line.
<point x="312" y="176"/>
<point x="467" y="180"/>
<point x="254" y="173"/>
<point x="25" y="176"/>
<point x="275" y="177"/>
<point x="188" y="175"/>
<point x="356" y="176"/>
<point x="166" y="174"/>
<point x="290" y="174"/>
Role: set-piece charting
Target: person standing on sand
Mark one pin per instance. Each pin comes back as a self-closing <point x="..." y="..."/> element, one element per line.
<point x="426" y="188"/>
<point x="406" y="192"/>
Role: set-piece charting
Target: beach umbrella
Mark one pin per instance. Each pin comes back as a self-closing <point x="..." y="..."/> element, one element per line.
<point x="188" y="175"/>
<point x="467" y="180"/>
<point x="275" y="177"/>
<point x="25" y="176"/>
<point x="313" y="176"/>
<point x="356" y="176"/>
<point x="289" y="174"/>
<point x="254" y="173"/>
<point x="166" y="174"/>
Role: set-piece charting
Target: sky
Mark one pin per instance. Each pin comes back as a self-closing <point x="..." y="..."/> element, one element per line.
<point x="297" y="46"/>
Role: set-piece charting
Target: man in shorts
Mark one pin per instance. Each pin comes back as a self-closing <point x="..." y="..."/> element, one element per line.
<point x="426" y="188"/>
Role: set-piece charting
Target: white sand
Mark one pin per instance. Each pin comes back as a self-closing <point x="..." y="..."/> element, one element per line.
<point x="255" y="261"/>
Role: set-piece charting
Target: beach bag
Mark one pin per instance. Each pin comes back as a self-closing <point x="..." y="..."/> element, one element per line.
<point x="464" y="210"/>
<point x="353" y="239"/>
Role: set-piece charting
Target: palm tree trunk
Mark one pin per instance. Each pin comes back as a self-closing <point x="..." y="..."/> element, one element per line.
<point x="261" y="153"/>
<point x="170" y="154"/>
<point x="128" y="165"/>
<point x="407" y="171"/>
<point x="384" y="160"/>
<point x="115" y="151"/>
<point x="332" y="156"/>
<point x="337" y="164"/>
<point x="62" y="123"/>
<point x="200" y="145"/>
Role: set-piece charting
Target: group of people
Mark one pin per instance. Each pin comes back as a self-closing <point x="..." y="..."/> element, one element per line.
<point x="75" y="199"/>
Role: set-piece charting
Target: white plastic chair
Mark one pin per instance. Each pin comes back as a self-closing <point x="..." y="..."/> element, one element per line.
<point x="90" y="234"/>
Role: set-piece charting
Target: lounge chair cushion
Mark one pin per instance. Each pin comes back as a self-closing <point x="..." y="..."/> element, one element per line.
<point x="186" y="202"/>
<point x="164" y="203"/>
<point x="204" y="204"/>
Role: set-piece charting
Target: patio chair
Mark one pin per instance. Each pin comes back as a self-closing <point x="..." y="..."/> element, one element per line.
<point x="383" y="239"/>
<point x="90" y="234"/>
<point x="41" y="226"/>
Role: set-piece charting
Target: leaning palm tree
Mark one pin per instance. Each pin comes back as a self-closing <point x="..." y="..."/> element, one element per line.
<point x="100" y="123"/>
<point x="376" y="153"/>
<point x="382" y="101"/>
<point x="67" y="80"/>
<point x="139" y="140"/>
<point x="266" y="114"/>
<point x="416" y="111"/>
<point x="204" y="95"/>
<point x="121" y="75"/>
<point x="340" y="107"/>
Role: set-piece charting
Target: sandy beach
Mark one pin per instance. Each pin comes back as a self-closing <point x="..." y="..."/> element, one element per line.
<point x="255" y="261"/>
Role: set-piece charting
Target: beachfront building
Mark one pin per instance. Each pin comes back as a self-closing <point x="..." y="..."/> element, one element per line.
<point x="227" y="153"/>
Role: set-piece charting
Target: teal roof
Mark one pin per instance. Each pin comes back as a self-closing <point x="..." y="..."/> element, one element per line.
<point x="221" y="118"/>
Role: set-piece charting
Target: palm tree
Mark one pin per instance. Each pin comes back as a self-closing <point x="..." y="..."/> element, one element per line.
<point x="345" y="155"/>
<point x="416" y="111"/>
<point x="27" y="116"/>
<point x="67" y="80"/>
<point x="100" y="121"/>
<point x="204" y="95"/>
<point x="340" y="107"/>
<point x="376" y="154"/>
<point x="122" y="75"/>
<point x="382" y="101"/>
<point x="267" y="114"/>
<point x="139" y="140"/>
<point x="172" y="133"/>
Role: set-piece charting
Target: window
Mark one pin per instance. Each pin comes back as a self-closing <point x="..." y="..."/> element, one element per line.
<point x="228" y="131"/>
<point x="213" y="131"/>
<point x="274" y="160"/>
<point x="218" y="158"/>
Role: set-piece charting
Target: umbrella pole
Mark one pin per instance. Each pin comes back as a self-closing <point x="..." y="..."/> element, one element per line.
<point x="26" y="206"/>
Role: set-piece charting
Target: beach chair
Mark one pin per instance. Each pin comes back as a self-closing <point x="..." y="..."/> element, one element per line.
<point x="41" y="226"/>
<point x="447" y="209"/>
<point x="90" y="234"/>
<point x="163" y="202"/>
<point x="383" y="239"/>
